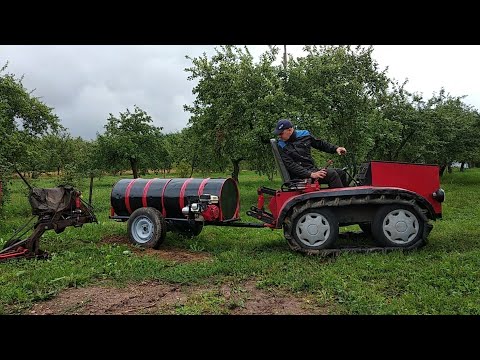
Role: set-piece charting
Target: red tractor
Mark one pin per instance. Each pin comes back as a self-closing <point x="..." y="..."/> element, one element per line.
<point x="394" y="202"/>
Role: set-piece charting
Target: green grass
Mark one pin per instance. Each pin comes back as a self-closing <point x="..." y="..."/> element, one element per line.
<point x="441" y="278"/>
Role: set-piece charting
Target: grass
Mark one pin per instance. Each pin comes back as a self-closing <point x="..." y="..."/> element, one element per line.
<point x="441" y="278"/>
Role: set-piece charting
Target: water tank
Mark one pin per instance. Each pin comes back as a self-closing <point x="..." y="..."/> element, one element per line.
<point x="169" y="196"/>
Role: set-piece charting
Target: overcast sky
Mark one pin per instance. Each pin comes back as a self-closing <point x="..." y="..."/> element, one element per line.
<point x="84" y="84"/>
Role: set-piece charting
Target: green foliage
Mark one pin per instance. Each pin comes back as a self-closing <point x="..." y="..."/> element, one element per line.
<point x="336" y="91"/>
<point x="159" y="158"/>
<point x="237" y="103"/>
<point x="183" y="169"/>
<point x="129" y="140"/>
<point x="70" y="176"/>
<point x="453" y="129"/>
<point x="23" y="117"/>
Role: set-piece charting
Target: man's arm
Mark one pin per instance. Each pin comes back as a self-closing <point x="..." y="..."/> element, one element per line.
<point x="323" y="145"/>
<point x="293" y="167"/>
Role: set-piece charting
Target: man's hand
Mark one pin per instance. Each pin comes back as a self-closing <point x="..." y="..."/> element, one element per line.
<point x="320" y="174"/>
<point x="341" y="150"/>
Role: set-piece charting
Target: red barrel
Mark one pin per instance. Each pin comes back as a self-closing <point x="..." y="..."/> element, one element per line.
<point x="169" y="196"/>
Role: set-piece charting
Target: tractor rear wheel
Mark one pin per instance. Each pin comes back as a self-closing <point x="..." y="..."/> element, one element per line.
<point x="397" y="226"/>
<point x="314" y="229"/>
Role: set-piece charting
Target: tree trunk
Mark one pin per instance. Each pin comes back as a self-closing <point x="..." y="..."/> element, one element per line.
<point x="192" y="168"/>
<point x="134" y="164"/>
<point x="90" y="190"/>
<point x="462" y="167"/>
<point x="402" y="145"/>
<point x="449" y="169"/>
<point x="442" y="169"/>
<point x="58" y="170"/>
<point x="236" y="169"/>
<point x="194" y="160"/>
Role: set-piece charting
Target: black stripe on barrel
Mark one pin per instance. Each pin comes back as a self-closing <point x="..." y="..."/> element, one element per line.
<point x="154" y="194"/>
<point x="171" y="197"/>
<point x="191" y="190"/>
<point x="134" y="193"/>
<point x="117" y="197"/>
<point x="124" y="205"/>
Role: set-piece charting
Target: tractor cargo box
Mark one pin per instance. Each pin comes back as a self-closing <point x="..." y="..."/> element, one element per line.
<point x="420" y="178"/>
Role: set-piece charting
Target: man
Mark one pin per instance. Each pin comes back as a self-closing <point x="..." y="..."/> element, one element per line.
<point x="295" y="150"/>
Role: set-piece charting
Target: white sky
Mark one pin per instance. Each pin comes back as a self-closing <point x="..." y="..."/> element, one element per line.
<point x="86" y="83"/>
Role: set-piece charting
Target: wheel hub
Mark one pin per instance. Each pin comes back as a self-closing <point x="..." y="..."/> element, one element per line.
<point x="313" y="229"/>
<point x="400" y="226"/>
<point x="142" y="229"/>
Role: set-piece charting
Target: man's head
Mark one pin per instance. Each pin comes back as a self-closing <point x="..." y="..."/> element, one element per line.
<point x="284" y="129"/>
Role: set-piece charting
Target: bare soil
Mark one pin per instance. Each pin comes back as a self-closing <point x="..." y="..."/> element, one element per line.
<point x="152" y="297"/>
<point x="167" y="252"/>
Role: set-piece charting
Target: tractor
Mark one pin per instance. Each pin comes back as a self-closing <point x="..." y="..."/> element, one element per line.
<point x="392" y="202"/>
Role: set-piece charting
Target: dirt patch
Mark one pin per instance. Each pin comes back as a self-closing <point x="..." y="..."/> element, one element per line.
<point x="165" y="253"/>
<point x="115" y="240"/>
<point x="142" y="298"/>
<point x="151" y="297"/>
<point x="248" y="299"/>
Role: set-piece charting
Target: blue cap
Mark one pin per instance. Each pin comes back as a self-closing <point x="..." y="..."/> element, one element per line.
<point x="282" y="124"/>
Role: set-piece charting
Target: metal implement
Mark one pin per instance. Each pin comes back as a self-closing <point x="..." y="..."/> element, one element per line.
<point x="56" y="208"/>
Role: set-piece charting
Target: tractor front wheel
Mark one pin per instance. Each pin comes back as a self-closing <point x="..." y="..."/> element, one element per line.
<point x="314" y="229"/>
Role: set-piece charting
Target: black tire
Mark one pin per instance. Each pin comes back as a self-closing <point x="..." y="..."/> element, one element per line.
<point x="191" y="231"/>
<point x="314" y="229"/>
<point x="366" y="228"/>
<point x="367" y="231"/>
<point x="397" y="226"/>
<point x="147" y="228"/>
<point x="59" y="231"/>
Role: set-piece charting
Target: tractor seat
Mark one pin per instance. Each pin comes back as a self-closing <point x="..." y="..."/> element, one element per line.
<point x="287" y="181"/>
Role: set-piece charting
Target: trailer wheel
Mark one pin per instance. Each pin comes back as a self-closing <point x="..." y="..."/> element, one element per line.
<point x="397" y="226"/>
<point x="315" y="229"/>
<point x="147" y="228"/>
<point x="192" y="231"/>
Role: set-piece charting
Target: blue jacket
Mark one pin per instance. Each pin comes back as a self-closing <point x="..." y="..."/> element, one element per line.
<point x="296" y="153"/>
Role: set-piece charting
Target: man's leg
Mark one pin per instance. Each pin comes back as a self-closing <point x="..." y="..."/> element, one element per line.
<point x="332" y="179"/>
<point x="343" y="176"/>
